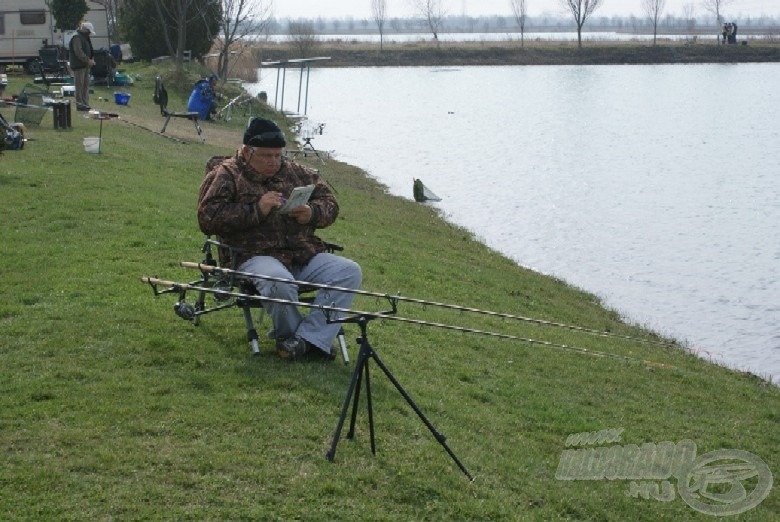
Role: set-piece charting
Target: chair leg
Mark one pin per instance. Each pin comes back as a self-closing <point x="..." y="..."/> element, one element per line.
<point x="343" y="344"/>
<point x="165" y="124"/>
<point x="251" y="333"/>
<point x="198" y="129"/>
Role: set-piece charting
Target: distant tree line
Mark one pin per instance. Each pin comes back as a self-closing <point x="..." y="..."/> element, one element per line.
<point x="498" y="24"/>
<point x="196" y="27"/>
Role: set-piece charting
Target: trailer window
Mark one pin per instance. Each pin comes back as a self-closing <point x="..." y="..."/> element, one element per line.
<point x="32" y="17"/>
<point x="2" y="23"/>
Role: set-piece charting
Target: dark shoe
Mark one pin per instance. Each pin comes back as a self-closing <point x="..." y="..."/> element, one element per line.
<point x="293" y="348"/>
<point x="296" y="348"/>
<point x="316" y="353"/>
<point x="83" y="107"/>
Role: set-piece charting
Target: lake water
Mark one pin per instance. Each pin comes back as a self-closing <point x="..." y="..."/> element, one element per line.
<point x="656" y="187"/>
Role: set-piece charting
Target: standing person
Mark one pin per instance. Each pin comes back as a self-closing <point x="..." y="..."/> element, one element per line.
<point x="81" y="60"/>
<point x="240" y="201"/>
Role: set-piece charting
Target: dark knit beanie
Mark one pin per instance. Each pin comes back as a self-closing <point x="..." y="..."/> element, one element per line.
<point x="263" y="133"/>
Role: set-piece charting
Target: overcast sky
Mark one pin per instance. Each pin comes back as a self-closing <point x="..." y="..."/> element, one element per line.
<point x="360" y="9"/>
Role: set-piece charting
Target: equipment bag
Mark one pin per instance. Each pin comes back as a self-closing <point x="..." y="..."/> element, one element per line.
<point x="12" y="138"/>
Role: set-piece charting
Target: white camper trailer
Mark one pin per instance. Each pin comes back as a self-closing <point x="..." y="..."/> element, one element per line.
<point x="27" y="25"/>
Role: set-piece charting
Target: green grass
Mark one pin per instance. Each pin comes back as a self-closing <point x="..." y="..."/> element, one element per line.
<point x="113" y="408"/>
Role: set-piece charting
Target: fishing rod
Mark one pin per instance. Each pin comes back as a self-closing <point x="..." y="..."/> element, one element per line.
<point x="330" y="311"/>
<point x="172" y="138"/>
<point x="360" y="375"/>
<point x="205" y="268"/>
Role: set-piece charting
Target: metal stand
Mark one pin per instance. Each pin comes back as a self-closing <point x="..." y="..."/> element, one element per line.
<point x="103" y="116"/>
<point x="307" y="145"/>
<point x="367" y="353"/>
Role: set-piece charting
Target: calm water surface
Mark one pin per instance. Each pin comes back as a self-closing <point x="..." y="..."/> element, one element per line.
<point x="655" y="187"/>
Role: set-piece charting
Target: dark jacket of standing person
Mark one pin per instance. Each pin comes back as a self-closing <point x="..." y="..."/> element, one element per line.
<point x="80" y="48"/>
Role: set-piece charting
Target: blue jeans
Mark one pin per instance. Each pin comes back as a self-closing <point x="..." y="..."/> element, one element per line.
<point x="325" y="268"/>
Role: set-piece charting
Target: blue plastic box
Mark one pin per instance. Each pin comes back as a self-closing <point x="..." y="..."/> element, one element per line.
<point x="122" y="98"/>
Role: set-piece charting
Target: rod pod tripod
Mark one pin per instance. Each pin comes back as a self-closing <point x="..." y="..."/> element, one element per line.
<point x="365" y="354"/>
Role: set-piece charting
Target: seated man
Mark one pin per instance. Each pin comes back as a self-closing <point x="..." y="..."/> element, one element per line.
<point x="239" y="202"/>
<point x="203" y="98"/>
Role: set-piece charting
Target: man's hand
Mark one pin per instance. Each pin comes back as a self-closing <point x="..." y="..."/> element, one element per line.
<point x="301" y="214"/>
<point x="269" y="201"/>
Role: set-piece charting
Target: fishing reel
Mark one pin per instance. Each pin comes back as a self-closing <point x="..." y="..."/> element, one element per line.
<point x="224" y="287"/>
<point x="184" y="310"/>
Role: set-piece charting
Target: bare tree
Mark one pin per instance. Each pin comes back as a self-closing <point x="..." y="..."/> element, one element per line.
<point x="240" y="18"/>
<point x="653" y="10"/>
<point x="520" y="10"/>
<point x="581" y="11"/>
<point x="379" y="10"/>
<point x="689" y="13"/>
<point x="303" y="36"/>
<point x="433" y="14"/>
<point x="716" y="7"/>
<point x="182" y="12"/>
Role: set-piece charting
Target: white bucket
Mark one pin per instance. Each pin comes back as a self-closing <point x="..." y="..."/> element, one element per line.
<point x="92" y="145"/>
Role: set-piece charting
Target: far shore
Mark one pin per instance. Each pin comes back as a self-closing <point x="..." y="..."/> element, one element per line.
<point x="362" y="54"/>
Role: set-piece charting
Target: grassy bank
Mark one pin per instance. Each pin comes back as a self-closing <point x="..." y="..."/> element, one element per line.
<point x="353" y="54"/>
<point x="113" y="408"/>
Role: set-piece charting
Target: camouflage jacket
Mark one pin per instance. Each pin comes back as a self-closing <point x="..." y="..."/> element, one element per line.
<point x="228" y="208"/>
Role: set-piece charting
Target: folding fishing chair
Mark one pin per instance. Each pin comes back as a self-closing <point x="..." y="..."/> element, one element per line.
<point x="104" y="68"/>
<point x="161" y="99"/>
<point x="51" y="60"/>
<point x="228" y="288"/>
<point x="237" y="291"/>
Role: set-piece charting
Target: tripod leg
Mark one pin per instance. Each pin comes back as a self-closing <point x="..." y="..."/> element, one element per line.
<point x="370" y="411"/>
<point x="353" y="386"/>
<point x="355" y="401"/>
<point x="438" y="436"/>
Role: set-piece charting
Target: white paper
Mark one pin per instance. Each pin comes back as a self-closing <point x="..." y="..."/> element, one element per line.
<point x="299" y="196"/>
